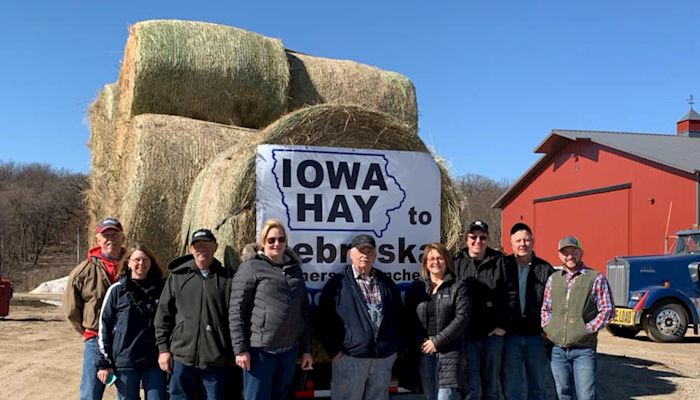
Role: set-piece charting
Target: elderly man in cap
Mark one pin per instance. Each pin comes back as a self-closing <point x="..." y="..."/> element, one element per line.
<point x="525" y="345"/>
<point x="360" y="309"/>
<point x="85" y="291"/>
<point x="192" y="322"/>
<point x="493" y="296"/>
<point x="577" y="304"/>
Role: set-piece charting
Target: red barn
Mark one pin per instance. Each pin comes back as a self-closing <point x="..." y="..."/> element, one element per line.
<point x="620" y="193"/>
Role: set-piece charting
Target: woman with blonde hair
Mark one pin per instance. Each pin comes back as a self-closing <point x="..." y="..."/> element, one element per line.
<point x="438" y="308"/>
<point x="268" y="315"/>
<point x="127" y="339"/>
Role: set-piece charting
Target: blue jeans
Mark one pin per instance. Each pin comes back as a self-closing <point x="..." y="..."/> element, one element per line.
<point x="129" y="382"/>
<point x="90" y="387"/>
<point x="185" y="381"/>
<point x="357" y="378"/>
<point x="484" y="361"/>
<point x="529" y="352"/>
<point x="574" y="369"/>
<point x="430" y="380"/>
<point x="270" y="374"/>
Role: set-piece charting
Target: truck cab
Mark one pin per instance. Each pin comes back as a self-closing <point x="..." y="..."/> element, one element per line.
<point x="659" y="294"/>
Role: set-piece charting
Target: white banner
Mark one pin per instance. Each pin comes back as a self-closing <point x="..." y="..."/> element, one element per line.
<point x="325" y="196"/>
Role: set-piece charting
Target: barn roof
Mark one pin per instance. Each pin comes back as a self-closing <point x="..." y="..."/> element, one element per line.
<point x="675" y="151"/>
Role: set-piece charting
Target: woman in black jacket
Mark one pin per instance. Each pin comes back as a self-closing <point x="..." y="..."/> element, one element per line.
<point x="268" y="316"/>
<point x="127" y="340"/>
<point x="438" y="308"/>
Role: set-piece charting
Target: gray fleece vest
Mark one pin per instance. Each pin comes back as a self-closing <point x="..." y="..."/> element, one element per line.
<point x="571" y="310"/>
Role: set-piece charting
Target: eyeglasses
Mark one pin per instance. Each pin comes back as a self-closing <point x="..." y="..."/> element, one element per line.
<point x="280" y="240"/>
<point x="140" y="260"/>
<point x="483" y="238"/>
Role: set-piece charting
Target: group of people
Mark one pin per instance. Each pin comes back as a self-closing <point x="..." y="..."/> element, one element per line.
<point x="476" y="325"/>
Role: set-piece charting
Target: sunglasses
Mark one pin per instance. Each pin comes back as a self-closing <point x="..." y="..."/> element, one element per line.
<point x="272" y="240"/>
<point x="483" y="238"/>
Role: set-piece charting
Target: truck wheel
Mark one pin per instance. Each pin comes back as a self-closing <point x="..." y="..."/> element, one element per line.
<point x="667" y="323"/>
<point x="623" y="331"/>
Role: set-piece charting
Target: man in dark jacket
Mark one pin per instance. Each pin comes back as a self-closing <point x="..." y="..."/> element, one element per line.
<point x="360" y="308"/>
<point x="484" y="270"/>
<point x="192" y="322"/>
<point x="525" y="346"/>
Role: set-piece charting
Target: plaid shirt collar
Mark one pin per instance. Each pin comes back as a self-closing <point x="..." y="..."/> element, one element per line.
<point x="357" y="275"/>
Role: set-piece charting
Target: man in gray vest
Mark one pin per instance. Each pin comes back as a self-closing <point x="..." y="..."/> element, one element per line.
<point x="577" y="304"/>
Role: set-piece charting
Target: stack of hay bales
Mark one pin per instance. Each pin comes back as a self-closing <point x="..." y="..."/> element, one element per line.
<point x="173" y="142"/>
<point x="179" y="82"/>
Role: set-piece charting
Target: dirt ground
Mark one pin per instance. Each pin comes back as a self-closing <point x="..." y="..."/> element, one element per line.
<point x="40" y="358"/>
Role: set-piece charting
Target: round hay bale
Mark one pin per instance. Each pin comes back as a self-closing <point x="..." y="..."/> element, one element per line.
<point x="316" y="80"/>
<point x="168" y="154"/>
<point x="208" y="204"/>
<point x="101" y="125"/>
<point x="203" y="71"/>
<point x="223" y="196"/>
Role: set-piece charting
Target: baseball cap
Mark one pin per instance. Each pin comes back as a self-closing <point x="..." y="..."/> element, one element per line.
<point x="109" y="223"/>
<point x="569" y="241"/>
<point x="363" y="240"/>
<point x="202" y="235"/>
<point x="478" y="225"/>
<point x="520" y="226"/>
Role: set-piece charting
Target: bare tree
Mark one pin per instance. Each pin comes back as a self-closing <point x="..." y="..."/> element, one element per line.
<point x="38" y="207"/>
<point x="476" y="194"/>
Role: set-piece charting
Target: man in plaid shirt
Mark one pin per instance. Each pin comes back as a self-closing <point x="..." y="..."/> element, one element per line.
<point x="577" y="304"/>
<point x="359" y="311"/>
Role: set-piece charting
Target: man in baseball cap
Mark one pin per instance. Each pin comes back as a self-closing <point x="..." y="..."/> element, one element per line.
<point x="485" y="271"/>
<point x="204" y="235"/>
<point x="478" y="225"/>
<point x="361" y="241"/>
<point x="109" y="223"/>
<point x="197" y="291"/>
<point x="365" y="363"/>
<point x="85" y="291"/>
<point x="570" y="241"/>
<point x="577" y="304"/>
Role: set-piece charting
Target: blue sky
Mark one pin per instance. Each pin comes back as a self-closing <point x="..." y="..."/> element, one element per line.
<point x="493" y="78"/>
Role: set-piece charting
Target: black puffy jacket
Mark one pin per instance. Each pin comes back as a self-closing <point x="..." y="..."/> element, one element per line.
<point x="269" y="305"/>
<point x="452" y="310"/>
<point x="494" y="295"/>
<point x="192" y="317"/>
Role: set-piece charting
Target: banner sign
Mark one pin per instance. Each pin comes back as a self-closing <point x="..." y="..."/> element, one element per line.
<point x="325" y="196"/>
